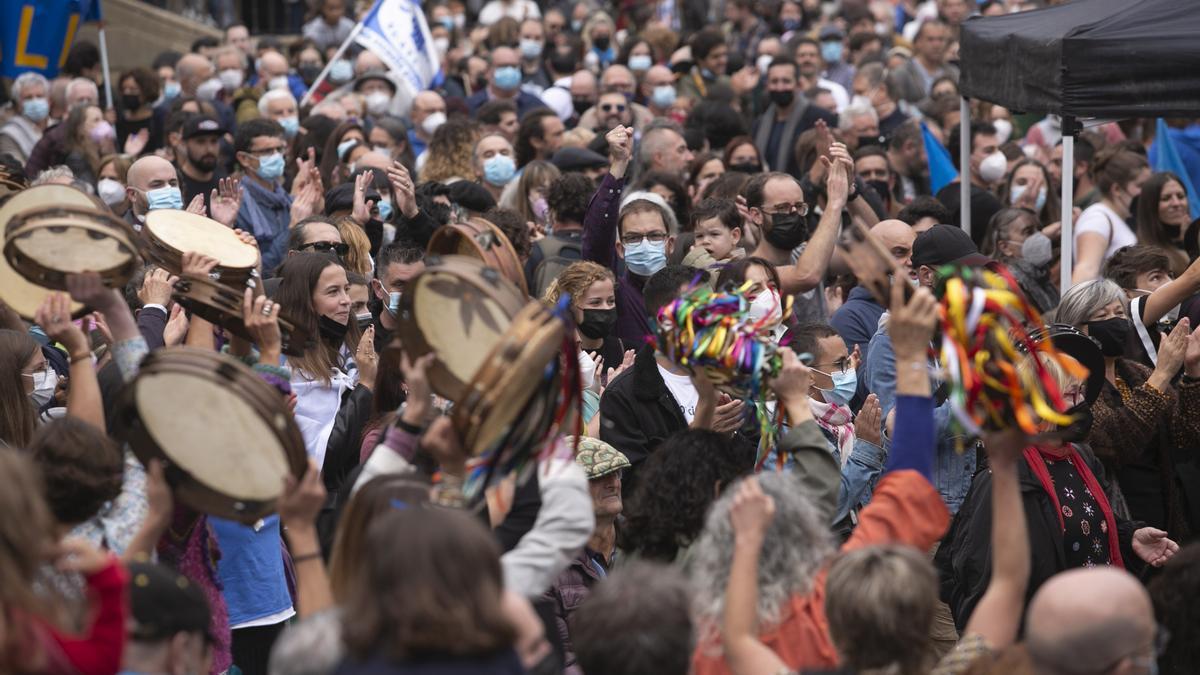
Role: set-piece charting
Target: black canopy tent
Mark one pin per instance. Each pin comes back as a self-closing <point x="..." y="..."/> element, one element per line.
<point x="1088" y="58"/>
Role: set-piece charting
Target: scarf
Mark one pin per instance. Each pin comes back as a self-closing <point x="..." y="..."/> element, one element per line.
<point x="1036" y="457"/>
<point x="835" y="420"/>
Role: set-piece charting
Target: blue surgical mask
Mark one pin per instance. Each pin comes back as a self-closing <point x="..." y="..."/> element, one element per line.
<point x="447" y="22"/>
<point x="831" y="51"/>
<point x="640" y="62"/>
<point x="663" y="97"/>
<point x="844" y="386"/>
<point x="164" y="198"/>
<point x="341" y="71"/>
<point x="36" y="109"/>
<point x="290" y="125"/>
<point x="507" y="78"/>
<point x="531" y="49"/>
<point x="646" y="257"/>
<point x="385" y="210"/>
<point x="344" y="147"/>
<point x="171" y="91"/>
<point x="271" y="166"/>
<point x="498" y="170"/>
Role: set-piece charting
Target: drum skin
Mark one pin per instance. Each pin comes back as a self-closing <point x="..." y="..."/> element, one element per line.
<point x="480" y="239"/>
<point x="169" y="233"/>
<point x="46" y="244"/>
<point x="20" y="294"/>
<point x="458" y="308"/>
<point x="226" y="437"/>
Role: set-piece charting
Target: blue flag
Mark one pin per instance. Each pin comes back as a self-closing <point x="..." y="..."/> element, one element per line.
<point x="1166" y="158"/>
<point x="941" y="169"/>
<point x="396" y="31"/>
<point x="35" y="35"/>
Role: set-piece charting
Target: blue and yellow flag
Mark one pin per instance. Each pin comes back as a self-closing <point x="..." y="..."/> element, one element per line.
<point x="35" y="35"/>
<point x="941" y="167"/>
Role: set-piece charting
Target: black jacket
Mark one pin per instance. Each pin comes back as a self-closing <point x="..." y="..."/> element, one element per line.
<point x="638" y="413"/>
<point x="964" y="559"/>
<point x="342" y="457"/>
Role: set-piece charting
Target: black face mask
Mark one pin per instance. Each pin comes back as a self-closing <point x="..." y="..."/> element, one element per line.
<point x="308" y="73"/>
<point x="788" y="230"/>
<point x="1111" y="334"/>
<point x="332" y="330"/>
<point x="1079" y="429"/>
<point x="597" y="323"/>
<point x="601" y="42"/>
<point x="881" y="188"/>
<point x="581" y="106"/>
<point x="783" y="98"/>
<point x="1173" y="232"/>
<point x="131" y="101"/>
<point x="747" y="167"/>
<point x="864" y="141"/>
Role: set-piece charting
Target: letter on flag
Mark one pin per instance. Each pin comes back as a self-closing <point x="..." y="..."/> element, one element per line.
<point x="396" y="31"/>
<point x="941" y="169"/>
<point x="35" y="35"/>
<point x="1164" y="156"/>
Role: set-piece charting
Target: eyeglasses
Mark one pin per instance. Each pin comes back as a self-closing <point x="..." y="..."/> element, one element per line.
<point x="799" y="208"/>
<point x="608" y="107"/>
<point x="265" y="152"/>
<point x="635" y="239"/>
<point x="327" y="246"/>
<point x="840" y="366"/>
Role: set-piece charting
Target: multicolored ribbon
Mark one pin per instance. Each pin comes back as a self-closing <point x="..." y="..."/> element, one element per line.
<point x="985" y="321"/>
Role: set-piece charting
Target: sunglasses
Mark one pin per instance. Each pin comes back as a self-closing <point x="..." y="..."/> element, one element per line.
<point x="609" y="107"/>
<point x="327" y="246"/>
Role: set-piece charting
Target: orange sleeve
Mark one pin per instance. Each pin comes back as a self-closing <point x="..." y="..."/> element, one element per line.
<point x="905" y="509"/>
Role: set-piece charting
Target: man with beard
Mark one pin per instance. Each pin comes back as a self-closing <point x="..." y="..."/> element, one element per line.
<point x="199" y="172"/>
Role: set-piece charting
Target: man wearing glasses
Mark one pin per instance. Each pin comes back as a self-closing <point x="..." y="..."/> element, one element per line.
<point x="266" y="206"/>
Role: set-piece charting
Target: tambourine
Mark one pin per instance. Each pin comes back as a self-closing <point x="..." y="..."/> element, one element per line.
<point x="169" y="233"/>
<point x="494" y="407"/>
<point x="227" y="437"/>
<point x="480" y="239"/>
<point x="46" y="244"/>
<point x="11" y="182"/>
<point x="457" y="308"/>
<point x="222" y="305"/>
<point x="22" y="295"/>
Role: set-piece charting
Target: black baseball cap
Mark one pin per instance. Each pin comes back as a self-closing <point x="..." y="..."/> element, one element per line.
<point x="201" y="125"/>
<point x="578" y="159"/>
<point x="944" y="245"/>
<point x="341" y="197"/>
<point x="163" y="603"/>
<point x="471" y="196"/>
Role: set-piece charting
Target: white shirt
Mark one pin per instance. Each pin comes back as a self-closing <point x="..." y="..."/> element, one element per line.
<point x="1107" y="223"/>
<point x="683" y="391"/>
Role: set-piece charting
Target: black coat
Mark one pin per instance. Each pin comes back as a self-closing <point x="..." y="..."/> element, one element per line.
<point x="964" y="559"/>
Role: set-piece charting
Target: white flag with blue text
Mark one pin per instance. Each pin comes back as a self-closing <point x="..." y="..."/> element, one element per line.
<point x="396" y="31"/>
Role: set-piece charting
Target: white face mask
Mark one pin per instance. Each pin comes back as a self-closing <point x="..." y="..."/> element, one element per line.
<point x="44" y="383"/>
<point x="433" y="123"/>
<point x="587" y="369"/>
<point x="767" y="304"/>
<point x="993" y="167"/>
<point x="1004" y="129"/>
<point x="280" y="82"/>
<point x="377" y="102"/>
<point x="764" y="63"/>
<point x="442" y="45"/>
<point x="231" y="78"/>
<point x="860" y="101"/>
<point x="111" y="191"/>
<point x="209" y="89"/>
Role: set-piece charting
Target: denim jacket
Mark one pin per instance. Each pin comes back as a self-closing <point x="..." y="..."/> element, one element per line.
<point x="953" y="468"/>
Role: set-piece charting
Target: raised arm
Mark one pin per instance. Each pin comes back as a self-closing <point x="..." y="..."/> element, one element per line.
<point x="911" y="327"/>
<point x="1167" y="297"/>
<point x="600" y="221"/>
<point x="83" y="395"/>
<point x="810" y="269"/>
<point x="998" y="615"/>
<point x="298" y="508"/>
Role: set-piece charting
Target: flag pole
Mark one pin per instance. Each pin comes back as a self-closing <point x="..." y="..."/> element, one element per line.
<point x="104" y="63"/>
<point x="325" y="72"/>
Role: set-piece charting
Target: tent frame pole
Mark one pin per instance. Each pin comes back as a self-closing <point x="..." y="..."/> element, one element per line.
<point x="964" y="164"/>
<point x="1070" y="127"/>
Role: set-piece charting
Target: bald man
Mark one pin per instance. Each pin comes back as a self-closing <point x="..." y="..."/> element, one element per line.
<point x="858" y="317"/>
<point x="617" y="79"/>
<point x="191" y="71"/>
<point x="152" y="183"/>
<point x="1091" y="621"/>
<point x="504" y="82"/>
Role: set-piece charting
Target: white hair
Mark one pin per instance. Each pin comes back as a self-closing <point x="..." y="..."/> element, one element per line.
<point x="273" y="95"/>
<point x="83" y="82"/>
<point x="853" y="112"/>
<point x="668" y="215"/>
<point x="28" y="79"/>
<point x="1083" y="299"/>
<point x="796" y="545"/>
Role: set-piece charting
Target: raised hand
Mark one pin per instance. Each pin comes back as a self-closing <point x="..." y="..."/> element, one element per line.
<point x="403" y="189"/>
<point x="157" y="287"/>
<point x="912" y="323"/>
<point x="867" y="425"/>
<point x="225" y="201"/>
<point x="839" y="175"/>
<point x="136" y="143"/>
<point x="752" y="510"/>
<point x="1172" y="352"/>
<point x="420" y="394"/>
<point x="198" y="264"/>
<point x="261" y="318"/>
<point x="361" y="212"/>
<point x="176" y="328"/>
<point x="54" y="316"/>
<point x="196" y="206"/>
<point x="365" y="358"/>
<point x="302" y="499"/>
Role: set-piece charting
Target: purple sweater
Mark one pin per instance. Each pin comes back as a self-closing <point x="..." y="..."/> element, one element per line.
<point x="600" y="246"/>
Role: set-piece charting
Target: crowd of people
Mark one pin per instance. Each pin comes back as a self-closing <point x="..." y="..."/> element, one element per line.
<point x="629" y="153"/>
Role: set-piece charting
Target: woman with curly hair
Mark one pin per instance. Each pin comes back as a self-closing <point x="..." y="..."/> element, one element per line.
<point x="450" y="152"/>
<point x="675" y="486"/>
